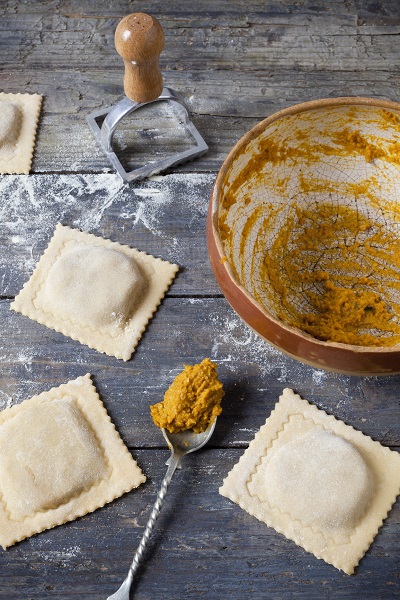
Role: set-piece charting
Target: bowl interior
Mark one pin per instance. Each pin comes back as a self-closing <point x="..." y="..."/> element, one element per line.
<point x="308" y="218"/>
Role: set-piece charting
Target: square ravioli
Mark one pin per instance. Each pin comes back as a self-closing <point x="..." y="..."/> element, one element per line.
<point x="95" y="291"/>
<point x="319" y="482"/>
<point x="60" y="458"/>
<point x="19" y="114"/>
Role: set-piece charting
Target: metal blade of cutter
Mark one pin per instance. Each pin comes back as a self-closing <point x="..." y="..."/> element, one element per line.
<point x="113" y="115"/>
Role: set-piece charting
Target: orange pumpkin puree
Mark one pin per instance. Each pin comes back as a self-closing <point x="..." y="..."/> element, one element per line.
<point x="335" y="274"/>
<point x="332" y="270"/>
<point x="193" y="401"/>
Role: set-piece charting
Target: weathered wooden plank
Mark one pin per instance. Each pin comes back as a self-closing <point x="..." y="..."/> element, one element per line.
<point x="253" y="49"/>
<point x="386" y="12"/>
<point x="185" y="330"/>
<point x="224" y="105"/>
<point x="60" y="15"/>
<point x="70" y="96"/>
<point x="310" y="36"/>
<point x="200" y="538"/>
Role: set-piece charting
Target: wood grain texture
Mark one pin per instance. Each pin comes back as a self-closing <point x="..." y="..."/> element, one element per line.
<point x="224" y="60"/>
<point x="222" y="117"/>
<point x="234" y="63"/>
<point x="164" y="216"/>
<point x="35" y="358"/>
<point x="190" y="555"/>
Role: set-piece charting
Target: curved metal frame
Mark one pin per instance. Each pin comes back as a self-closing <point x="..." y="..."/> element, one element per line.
<point x="116" y="113"/>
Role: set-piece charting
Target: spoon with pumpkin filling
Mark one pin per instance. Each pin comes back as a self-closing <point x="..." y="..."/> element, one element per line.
<point x="187" y="418"/>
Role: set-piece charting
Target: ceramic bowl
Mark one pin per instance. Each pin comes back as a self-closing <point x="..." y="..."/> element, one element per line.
<point x="306" y="205"/>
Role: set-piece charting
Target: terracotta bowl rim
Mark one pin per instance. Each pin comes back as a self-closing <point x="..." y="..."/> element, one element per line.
<point x="216" y="192"/>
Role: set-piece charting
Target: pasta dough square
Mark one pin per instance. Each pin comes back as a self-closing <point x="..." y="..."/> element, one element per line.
<point x="19" y="114"/>
<point x="60" y="458"/>
<point x="319" y="482"/>
<point x="95" y="291"/>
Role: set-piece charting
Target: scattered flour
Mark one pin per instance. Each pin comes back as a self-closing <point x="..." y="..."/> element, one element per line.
<point x="235" y="344"/>
<point x="232" y="333"/>
<point x="12" y="395"/>
<point x="32" y="206"/>
<point x="5" y="401"/>
<point x="182" y="193"/>
<point x="25" y="357"/>
<point x="319" y="377"/>
<point x="62" y="557"/>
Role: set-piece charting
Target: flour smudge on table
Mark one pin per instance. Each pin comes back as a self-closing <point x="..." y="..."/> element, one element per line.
<point x="63" y="557"/>
<point x="32" y="206"/>
<point x="249" y="348"/>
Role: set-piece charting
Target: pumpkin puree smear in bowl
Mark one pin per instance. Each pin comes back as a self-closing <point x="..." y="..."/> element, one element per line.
<point x="193" y="401"/>
<point x="310" y="224"/>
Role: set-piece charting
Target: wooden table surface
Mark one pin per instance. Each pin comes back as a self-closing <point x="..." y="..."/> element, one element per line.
<point x="235" y="63"/>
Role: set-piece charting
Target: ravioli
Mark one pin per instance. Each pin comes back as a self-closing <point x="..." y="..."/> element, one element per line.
<point x="317" y="481"/>
<point x="10" y="122"/>
<point x="95" y="285"/>
<point x="19" y="115"/>
<point x="54" y="456"/>
<point x="60" y="458"/>
<point x="98" y="292"/>
<point x="320" y="478"/>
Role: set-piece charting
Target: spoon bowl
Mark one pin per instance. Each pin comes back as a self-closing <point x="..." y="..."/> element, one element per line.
<point x="185" y="442"/>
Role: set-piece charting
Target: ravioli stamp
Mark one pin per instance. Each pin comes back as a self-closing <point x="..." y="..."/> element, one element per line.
<point x="95" y="291"/>
<point x="319" y="482"/>
<point x="60" y="458"/>
<point x="19" y="114"/>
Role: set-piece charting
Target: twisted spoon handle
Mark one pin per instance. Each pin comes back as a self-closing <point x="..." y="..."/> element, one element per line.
<point x="123" y="592"/>
<point x="173" y="463"/>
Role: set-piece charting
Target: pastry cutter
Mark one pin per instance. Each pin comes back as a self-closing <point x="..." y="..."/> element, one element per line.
<point x="139" y="40"/>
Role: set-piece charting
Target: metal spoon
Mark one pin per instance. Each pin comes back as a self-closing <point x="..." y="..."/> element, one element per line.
<point x="180" y="444"/>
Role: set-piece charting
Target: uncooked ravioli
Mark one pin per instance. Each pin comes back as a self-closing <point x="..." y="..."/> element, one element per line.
<point x="19" y="114"/>
<point x="96" y="291"/>
<point x="94" y="285"/>
<point x="34" y="479"/>
<point x="10" y="122"/>
<point x="319" y="478"/>
<point x="316" y="480"/>
<point x="60" y="458"/>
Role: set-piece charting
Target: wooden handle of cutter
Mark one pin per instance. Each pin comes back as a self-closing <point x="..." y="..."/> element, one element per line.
<point x="139" y="40"/>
